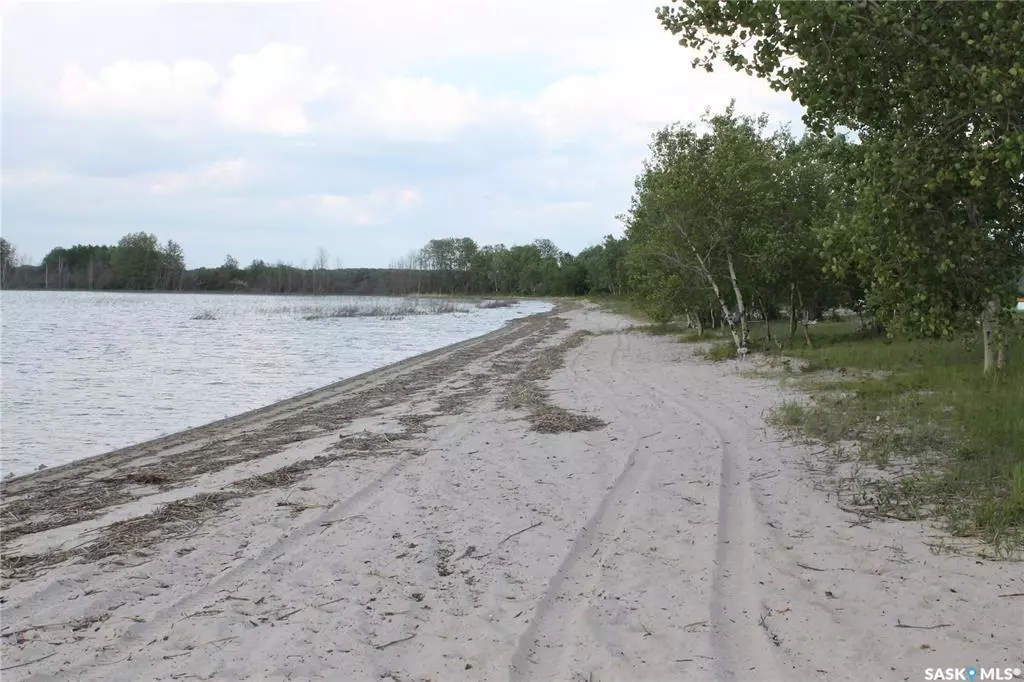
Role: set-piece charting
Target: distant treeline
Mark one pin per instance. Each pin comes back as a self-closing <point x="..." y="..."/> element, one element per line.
<point x="139" y="262"/>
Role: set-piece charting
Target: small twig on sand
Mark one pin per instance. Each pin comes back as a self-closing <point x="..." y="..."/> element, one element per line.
<point x="518" y="532"/>
<point x="22" y="665"/>
<point x="218" y="641"/>
<point x="923" y="627"/>
<point x="810" y="568"/>
<point x="385" y="645"/>
<point x="1014" y="594"/>
<point x="327" y="524"/>
<point x="650" y="435"/>
<point x="333" y="601"/>
<point x="290" y="613"/>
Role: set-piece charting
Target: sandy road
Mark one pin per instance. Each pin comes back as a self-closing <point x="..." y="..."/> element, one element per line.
<point x="440" y="537"/>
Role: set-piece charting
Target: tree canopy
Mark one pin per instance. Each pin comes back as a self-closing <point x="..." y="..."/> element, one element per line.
<point x="933" y="92"/>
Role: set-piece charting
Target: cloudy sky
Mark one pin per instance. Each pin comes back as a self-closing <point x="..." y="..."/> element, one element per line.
<point x="268" y="130"/>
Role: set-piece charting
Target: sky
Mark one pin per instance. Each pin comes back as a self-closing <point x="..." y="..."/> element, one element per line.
<point x="363" y="127"/>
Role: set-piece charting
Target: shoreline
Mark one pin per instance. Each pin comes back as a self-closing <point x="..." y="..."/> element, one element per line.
<point x="259" y="412"/>
<point x="560" y="499"/>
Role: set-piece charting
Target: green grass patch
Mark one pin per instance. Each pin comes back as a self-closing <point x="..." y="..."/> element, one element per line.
<point x="717" y="352"/>
<point x="950" y="440"/>
<point x="789" y="414"/>
<point x="621" y="305"/>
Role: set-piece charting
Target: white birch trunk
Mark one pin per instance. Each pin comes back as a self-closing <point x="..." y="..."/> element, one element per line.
<point x="740" y="308"/>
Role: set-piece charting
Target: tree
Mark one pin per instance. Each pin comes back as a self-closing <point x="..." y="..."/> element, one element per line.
<point x="321" y="260"/>
<point x="933" y="91"/>
<point x="702" y="205"/>
<point x="173" y="262"/>
<point x="136" y="261"/>
<point x="8" y="261"/>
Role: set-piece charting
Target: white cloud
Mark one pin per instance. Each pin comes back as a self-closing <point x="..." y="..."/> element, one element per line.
<point x="147" y="88"/>
<point x="624" y="104"/>
<point x="219" y="175"/>
<point x="266" y="92"/>
<point x="400" y="108"/>
<point x="362" y="210"/>
<point x="269" y="91"/>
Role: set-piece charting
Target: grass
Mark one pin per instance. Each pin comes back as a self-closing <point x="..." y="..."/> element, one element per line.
<point x="500" y="303"/>
<point x="621" y="306"/>
<point x="390" y="312"/>
<point x="944" y="440"/>
<point x="922" y="431"/>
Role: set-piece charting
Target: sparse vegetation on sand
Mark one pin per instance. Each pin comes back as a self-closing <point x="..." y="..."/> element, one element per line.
<point x="943" y="440"/>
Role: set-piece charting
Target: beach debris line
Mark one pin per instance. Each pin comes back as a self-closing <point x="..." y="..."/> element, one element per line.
<point x="523" y="391"/>
<point x="34" y="505"/>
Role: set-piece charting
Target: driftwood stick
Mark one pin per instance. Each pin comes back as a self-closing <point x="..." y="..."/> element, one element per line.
<point x="518" y="532"/>
<point x="923" y="627"/>
<point x="35" y="660"/>
<point x="333" y="601"/>
<point x="394" y="641"/>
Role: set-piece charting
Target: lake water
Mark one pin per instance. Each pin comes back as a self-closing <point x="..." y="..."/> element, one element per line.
<point x="84" y="373"/>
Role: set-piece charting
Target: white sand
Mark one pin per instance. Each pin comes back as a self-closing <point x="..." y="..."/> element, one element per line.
<point x="683" y="541"/>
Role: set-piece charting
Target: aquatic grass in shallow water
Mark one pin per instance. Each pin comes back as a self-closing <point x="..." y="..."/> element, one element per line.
<point x="388" y="312"/>
<point x="490" y="305"/>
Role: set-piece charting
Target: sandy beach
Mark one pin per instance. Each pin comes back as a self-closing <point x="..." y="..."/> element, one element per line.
<point x="562" y="499"/>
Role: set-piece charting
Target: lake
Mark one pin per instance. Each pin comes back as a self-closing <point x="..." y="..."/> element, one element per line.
<point x="84" y="373"/>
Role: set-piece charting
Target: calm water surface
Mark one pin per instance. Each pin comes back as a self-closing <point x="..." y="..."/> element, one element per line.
<point x="84" y="373"/>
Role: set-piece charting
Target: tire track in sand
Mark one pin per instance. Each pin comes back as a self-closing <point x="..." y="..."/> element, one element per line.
<point x="740" y="647"/>
<point x="168" y="615"/>
<point x="557" y="613"/>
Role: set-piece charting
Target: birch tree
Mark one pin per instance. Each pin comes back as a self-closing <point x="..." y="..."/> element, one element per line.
<point x="700" y="204"/>
<point x="934" y="90"/>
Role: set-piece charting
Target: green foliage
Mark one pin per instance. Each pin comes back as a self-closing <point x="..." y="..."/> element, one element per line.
<point x="933" y="91"/>
<point x="957" y="436"/>
<point x="8" y="261"/>
<point x="717" y="352"/>
<point x="449" y="266"/>
<point x="729" y="221"/>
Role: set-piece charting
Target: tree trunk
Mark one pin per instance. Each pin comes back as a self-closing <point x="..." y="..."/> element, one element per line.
<point x="767" y="324"/>
<point x="1002" y="349"/>
<point x="744" y="330"/>
<point x="725" y="311"/>
<point x="792" y="311"/>
<point x="806" y="319"/>
<point x="988" y="337"/>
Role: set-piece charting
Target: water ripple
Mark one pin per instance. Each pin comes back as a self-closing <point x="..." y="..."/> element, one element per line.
<point x="84" y="372"/>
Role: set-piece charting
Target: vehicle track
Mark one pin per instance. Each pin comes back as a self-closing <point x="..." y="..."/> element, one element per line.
<point x="556" y="611"/>
<point x="740" y="646"/>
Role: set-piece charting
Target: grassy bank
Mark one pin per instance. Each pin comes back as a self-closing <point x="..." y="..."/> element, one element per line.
<point x="911" y="429"/>
<point x="944" y="440"/>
